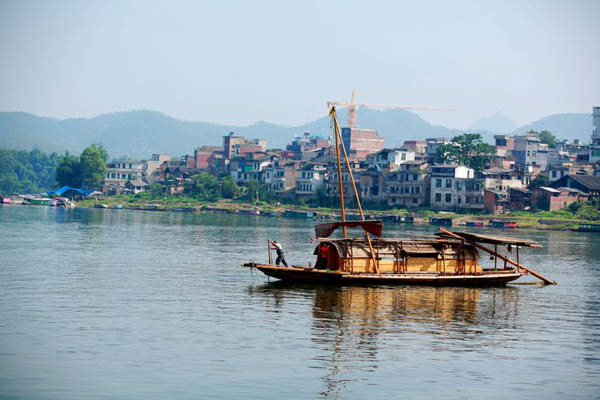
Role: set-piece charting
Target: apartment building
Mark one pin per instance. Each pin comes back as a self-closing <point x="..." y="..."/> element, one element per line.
<point x="280" y="176"/>
<point x="119" y="172"/>
<point x="454" y="187"/>
<point x="311" y="178"/>
<point x="409" y="186"/>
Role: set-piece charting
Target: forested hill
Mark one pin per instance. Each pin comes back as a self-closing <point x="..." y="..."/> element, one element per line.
<point x="139" y="134"/>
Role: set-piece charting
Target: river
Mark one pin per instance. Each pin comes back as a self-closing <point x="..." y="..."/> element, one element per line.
<point x="105" y="304"/>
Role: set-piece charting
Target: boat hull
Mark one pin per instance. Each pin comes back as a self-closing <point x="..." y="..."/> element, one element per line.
<point x="306" y="275"/>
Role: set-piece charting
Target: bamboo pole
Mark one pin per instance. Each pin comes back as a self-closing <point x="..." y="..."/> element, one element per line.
<point x="333" y="114"/>
<point x="506" y="259"/>
<point x="360" y="210"/>
<point x="269" y="250"/>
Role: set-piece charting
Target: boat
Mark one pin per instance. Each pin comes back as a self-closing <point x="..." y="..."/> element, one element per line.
<point x="500" y="224"/>
<point x="440" y="221"/>
<point x="182" y="209"/>
<point x="405" y="219"/>
<point x="99" y="205"/>
<point x="594" y="228"/>
<point x="41" y="201"/>
<point x="252" y="211"/>
<point x="117" y="207"/>
<point x="474" y="224"/>
<point x="299" y="214"/>
<point x="445" y="259"/>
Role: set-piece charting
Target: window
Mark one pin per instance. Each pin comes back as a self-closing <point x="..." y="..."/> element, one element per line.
<point x="554" y="174"/>
<point x="417" y="190"/>
<point x="459" y="200"/>
<point x="438" y="183"/>
<point x="448" y="183"/>
<point x="403" y="156"/>
<point x="448" y="197"/>
<point x="438" y="197"/>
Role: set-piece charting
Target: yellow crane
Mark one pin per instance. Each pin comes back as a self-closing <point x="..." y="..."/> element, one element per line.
<point x="352" y="106"/>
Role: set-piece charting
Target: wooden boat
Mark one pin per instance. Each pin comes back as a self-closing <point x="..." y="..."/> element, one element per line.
<point x="299" y="214"/>
<point x="499" y="224"/>
<point x="475" y="224"/>
<point x="252" y="211"/>
<point x="448" y="258"/>
<point x="440" y="221"/>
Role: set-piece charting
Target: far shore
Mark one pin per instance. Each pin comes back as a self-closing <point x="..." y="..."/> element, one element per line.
<point x="524" y="220"/>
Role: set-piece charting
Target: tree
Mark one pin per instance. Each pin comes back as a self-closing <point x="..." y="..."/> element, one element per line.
<point x="93" y="165"/>
<point x="68" y="171"/>
<point x="466" y="149"/>
<point x="229" y="189"/>
<point x="539" y="181"/>
<point x="548" y="138"/>
<point x="203" y="186"/>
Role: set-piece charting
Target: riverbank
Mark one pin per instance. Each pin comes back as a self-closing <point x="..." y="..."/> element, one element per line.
<point x="557" y="220"/>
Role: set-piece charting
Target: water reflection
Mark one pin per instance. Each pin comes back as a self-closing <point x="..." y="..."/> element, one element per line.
<point x="355" y="326"/>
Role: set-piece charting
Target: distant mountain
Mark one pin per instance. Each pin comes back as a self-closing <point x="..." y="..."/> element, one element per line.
<point x="498" y="122"/>
<point x="563" y="126"/>
<point x="138" y="134"/>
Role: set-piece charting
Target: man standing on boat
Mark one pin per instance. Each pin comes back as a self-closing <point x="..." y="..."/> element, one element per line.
<point x="279" y="249"/>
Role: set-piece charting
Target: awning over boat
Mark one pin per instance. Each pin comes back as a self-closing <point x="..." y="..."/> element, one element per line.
<point x="392" y="248"/>
<point x="372" y="227"/>
<point x="492" y="239"/>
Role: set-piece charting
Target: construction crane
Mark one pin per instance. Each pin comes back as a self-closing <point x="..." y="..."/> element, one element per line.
<point x="352" y="106"/>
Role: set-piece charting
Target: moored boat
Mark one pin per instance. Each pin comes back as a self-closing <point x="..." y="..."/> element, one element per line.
<point x="440" y="221"/>
<point x="501" y="224"/>
<point x="299" y="214"/>
<point x="474" y="224"/>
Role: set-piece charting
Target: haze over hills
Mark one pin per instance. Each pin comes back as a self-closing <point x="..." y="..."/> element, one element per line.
<point x="499" y="122"/>
<point x="138" y="134"/>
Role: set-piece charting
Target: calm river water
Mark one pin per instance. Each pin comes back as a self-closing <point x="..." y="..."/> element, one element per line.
<point x="154" y="305"/>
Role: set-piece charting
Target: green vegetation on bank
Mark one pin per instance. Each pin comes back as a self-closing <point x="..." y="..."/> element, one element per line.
<point x="27" y="171"/>
<point x="85" y="171"/>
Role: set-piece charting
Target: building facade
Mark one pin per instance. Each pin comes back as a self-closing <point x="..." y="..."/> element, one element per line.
<point x="361" y="142"/>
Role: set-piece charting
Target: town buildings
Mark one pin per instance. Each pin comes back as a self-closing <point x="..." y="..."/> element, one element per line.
<point x="404" y="177"/>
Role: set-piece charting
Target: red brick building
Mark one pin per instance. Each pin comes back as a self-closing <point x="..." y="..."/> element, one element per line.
<point x="552" y="199"/>
<point x="361" y="142"/>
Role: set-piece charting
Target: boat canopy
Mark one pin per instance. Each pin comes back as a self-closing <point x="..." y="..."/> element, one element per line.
<point x="492" y="239"/>
<point x="393" y="248"/>
<point x="372" y="227"/>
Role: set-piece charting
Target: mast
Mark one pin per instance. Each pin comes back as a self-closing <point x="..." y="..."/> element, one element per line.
<point x="337" y="133"/>
<point x="333" y="116"/>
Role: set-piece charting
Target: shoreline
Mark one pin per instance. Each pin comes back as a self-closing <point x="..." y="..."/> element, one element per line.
<point x="421" y="217"/>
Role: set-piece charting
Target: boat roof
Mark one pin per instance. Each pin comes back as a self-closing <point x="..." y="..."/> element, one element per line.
<point x="373" y="227"/>
<point x="493" y="239"/>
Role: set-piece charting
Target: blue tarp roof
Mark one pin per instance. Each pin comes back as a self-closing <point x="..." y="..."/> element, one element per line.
<point x="64" y="189"/>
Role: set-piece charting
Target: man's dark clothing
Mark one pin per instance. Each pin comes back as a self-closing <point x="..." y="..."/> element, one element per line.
<point x="280" y="255"/>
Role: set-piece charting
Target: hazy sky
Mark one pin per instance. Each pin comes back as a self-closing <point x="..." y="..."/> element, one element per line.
<point x="243" y="61"/>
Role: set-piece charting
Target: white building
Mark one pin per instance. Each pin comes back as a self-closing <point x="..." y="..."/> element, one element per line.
<point x="117" y="173"/>
<point x="389" y="159"/>
<point x="311" y="178"/>
<point x="455" y="187"/>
